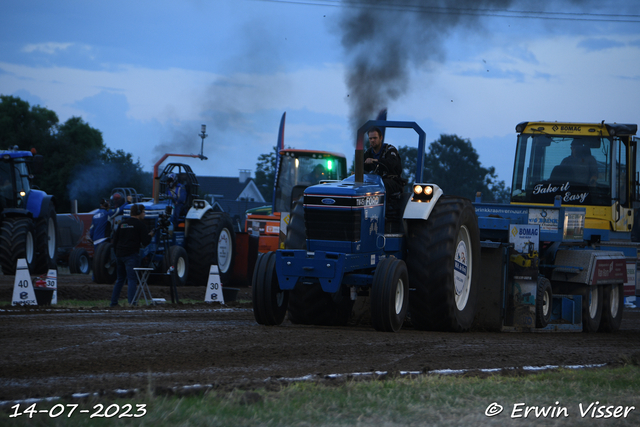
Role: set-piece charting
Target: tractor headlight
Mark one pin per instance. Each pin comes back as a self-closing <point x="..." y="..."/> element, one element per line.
<point x="422" y="193"/>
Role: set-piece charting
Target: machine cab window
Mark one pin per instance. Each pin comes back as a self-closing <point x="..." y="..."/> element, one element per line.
<point x="577" y="168"/>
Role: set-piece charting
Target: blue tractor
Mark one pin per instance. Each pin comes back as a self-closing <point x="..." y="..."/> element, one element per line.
<point x="415" y="253"/>
<point x="29" y="221"/>
<point x="201" y="237"/>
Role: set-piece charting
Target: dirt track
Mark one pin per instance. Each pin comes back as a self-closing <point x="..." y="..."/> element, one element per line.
<point x="57" y="352"/>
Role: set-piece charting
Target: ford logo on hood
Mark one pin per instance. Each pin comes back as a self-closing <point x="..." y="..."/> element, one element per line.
<point x="328" y="201"/>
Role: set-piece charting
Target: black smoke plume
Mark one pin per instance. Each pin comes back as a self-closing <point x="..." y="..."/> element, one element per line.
<point x="385" y="39"/>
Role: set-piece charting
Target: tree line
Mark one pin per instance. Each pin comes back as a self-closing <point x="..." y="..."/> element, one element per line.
<point x="77" y="164"/>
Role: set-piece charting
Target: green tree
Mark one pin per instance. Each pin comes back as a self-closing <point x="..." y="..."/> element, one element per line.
<point x="77" y="164"/>
<point x="265" y="173"/>
<point x="409" y="157"/>
<point x="454" y="165"/>
<point x="23" y="125"/>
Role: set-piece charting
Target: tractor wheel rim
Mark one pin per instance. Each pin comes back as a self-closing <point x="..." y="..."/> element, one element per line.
<point x="546" y="304"/>
<point x="29" y="248"/>
<point x="181" y="267"/>
<point x="615" y="295"/>
<point x="225" y="249"/>
<point x="399" y="296"/>
<point x="593" y="302"/>
<point x="462" y="268"/>
<point x="51" y="236"/>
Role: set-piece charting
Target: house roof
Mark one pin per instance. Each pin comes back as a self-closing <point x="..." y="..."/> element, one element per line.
<point x="227" y="188"/>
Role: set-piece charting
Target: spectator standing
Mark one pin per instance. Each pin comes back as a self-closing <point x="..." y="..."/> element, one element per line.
<point x="131" y="235"/>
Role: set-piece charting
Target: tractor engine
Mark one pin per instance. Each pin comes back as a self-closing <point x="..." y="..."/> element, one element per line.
<point x="345" y="216"/>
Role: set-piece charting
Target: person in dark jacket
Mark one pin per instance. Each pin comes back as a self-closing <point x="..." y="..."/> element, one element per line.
<point x="131" y="235"/>
<point x="383" y="159"/>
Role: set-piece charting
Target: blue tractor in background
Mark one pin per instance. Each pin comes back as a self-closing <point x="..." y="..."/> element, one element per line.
<point x="413" y="252"/>
<point x="202" y="237"/>
<point x="29" y="222"/>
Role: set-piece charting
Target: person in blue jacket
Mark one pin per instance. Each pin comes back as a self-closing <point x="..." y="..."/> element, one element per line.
<point x="178" y="195"/>
<point x="100" y="229"/>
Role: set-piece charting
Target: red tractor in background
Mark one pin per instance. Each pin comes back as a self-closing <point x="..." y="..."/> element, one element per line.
<point x="295" y="171"/>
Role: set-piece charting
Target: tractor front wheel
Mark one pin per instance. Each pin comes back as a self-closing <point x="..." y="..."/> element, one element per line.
<point x="46" y="241"/>
<point x="389" y="295"/>
<point x="17" y="241"/>
<point x="178" y="259"/>
<point x="79" y="262"/>
<point x="269" y="301"/>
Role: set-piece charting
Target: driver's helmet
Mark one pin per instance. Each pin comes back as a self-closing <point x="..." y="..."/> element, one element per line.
<point x="117" y="200"/>
<point x="171" y="179"/>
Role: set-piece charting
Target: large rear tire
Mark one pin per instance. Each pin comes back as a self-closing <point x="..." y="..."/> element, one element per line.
<point x="269" y="301"/>
<point x="443" y="260"/>
<point x="104" y="264"/>
<point x="389" y="295"/>
<point x="210" y="241"/>
<point x="612" y="308"/>
<point x="17" y="241"/>
<point x="592" y="309"/>
<point x="79" y="262"/>
<point x="46" y="241"/>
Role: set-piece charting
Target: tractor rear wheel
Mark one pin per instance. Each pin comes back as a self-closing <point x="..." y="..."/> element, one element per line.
<point x="544" y="299"/>
<point x="210" y="241"/>
<point x="592" y="309"/>
<point x="104" y="264"/>
<point x="389" y="295"/>
<point x="46" y="241"/>
<point x="79" y="262"/>
<point x="17" y="241"/>
<point x="612" y="308"/>
<point x="269" y="301"/>
<point x="443" y="259"/>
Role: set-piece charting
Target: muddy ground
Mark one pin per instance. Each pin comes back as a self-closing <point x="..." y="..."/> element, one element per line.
<point x="57" y="352"/>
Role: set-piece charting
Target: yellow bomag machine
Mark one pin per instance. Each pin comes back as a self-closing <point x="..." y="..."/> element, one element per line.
<point x="573" y="200"/>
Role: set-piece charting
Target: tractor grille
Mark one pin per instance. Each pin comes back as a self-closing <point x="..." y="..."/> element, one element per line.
<point x="333" y="224"/>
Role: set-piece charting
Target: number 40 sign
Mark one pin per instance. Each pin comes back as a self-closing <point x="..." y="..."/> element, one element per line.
<point x="214" y="287"/>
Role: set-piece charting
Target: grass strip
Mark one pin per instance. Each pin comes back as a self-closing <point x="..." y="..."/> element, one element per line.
<point x="562" y="397"/>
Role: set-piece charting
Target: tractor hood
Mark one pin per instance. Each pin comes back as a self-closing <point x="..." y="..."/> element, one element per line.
<point x="345" y="216"/>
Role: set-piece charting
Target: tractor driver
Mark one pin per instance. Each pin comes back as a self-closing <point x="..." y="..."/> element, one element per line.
<point x="383" y="159"/>
<point x="178" y="195"/>
<point x="582" y="163"/>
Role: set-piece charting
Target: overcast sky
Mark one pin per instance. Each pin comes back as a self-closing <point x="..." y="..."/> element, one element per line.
<point x="149" y="73"/>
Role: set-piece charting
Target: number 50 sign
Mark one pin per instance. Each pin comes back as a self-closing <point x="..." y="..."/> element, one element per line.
<point x="214" y="287"/>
